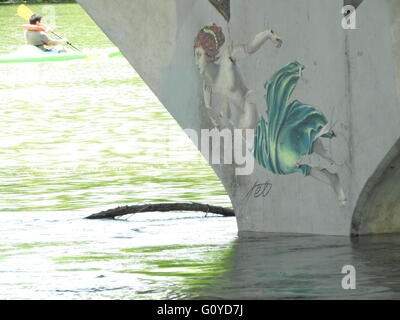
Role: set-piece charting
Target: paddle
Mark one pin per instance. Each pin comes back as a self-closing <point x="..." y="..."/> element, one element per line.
<point x="24" y="12"/>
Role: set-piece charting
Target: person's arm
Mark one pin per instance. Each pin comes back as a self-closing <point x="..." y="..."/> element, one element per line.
<point x="49" y="41"/>
<point x="56" y="42"/>
<point x="244" y="50"/>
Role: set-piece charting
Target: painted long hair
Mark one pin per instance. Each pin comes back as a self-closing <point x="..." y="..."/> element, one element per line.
<point x="211" y="39"/>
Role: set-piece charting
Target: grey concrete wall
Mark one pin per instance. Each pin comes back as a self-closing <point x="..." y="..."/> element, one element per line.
<point x="351" y="76"/>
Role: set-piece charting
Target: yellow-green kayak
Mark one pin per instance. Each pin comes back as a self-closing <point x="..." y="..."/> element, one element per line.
<point x="32" y="54"/>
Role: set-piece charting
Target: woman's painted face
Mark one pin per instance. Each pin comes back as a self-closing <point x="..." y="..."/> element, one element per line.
<point x="200" y="59"/>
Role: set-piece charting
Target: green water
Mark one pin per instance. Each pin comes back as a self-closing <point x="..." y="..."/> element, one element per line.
<point x="89" y="134"/>
<point x="78" y="137"/>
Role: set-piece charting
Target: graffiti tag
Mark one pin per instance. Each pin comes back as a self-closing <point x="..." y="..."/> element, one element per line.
<point x="259" y="190"/>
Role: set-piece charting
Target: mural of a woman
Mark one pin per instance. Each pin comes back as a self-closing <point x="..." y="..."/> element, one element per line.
<point x="293" y="130"/>
<point x="224" y="77"/>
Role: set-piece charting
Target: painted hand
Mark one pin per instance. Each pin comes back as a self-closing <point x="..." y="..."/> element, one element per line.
<point x="277" y="41"/>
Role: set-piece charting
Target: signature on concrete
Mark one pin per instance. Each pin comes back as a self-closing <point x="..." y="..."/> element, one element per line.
<point x="259" y="190"/>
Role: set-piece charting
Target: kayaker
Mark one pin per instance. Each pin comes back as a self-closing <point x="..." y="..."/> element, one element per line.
<point x="36" y="35"/>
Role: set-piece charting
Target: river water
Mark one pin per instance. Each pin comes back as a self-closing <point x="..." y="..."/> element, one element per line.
<point x="79" y="137"/>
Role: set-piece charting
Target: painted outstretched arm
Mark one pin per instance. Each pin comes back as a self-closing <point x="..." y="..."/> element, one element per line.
<point x="207" y="95"/>
<point x="244" y="50"/>
<point x="207" y="91"/>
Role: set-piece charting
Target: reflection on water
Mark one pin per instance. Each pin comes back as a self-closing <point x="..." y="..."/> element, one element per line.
<point x="60" y="255"/>
<point x="309" y="267"/>
<point x="184" y="256"/>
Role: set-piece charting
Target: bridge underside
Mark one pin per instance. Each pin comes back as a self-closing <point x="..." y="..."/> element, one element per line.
<point x="378" y="210"/>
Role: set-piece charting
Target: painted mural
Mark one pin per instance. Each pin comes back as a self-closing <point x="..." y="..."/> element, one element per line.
<point x="292" y="129"/>
<point x="220" y="74"/>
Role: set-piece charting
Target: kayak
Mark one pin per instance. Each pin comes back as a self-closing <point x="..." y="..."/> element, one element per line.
<point x="33" y="54"/>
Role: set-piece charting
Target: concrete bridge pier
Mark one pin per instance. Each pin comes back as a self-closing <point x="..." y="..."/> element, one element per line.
<point x="323" y="106"/>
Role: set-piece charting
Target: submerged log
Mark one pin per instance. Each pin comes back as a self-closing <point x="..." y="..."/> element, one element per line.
<point x="162" y="207"/>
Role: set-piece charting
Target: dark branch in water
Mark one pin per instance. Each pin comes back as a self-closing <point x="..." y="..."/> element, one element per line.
<point x="162" y="207"/>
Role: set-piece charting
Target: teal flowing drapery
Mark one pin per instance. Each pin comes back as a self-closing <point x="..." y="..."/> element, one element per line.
<point x="289" y="133"/>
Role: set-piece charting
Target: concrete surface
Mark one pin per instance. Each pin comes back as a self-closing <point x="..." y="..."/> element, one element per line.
<point x="351" y="76"/>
